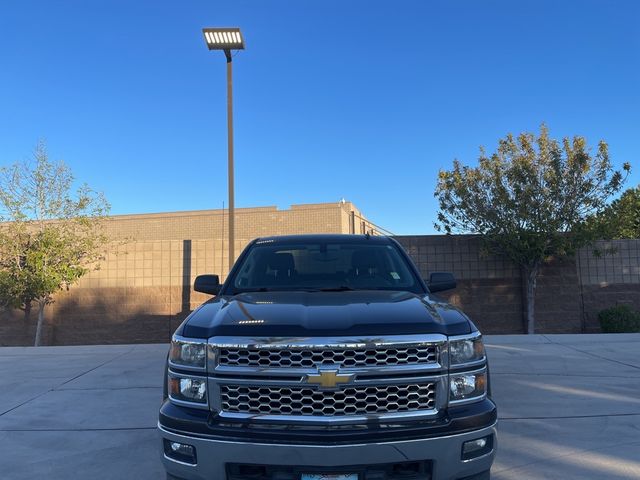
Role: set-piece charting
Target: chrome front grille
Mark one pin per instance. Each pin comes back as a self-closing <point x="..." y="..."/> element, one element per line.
<point x="350" y="400"/>
<point x="335" y="357"/>
<point x="327" y="380"/>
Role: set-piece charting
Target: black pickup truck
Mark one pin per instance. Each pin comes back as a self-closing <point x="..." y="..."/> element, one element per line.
<point x="327" y="357"/>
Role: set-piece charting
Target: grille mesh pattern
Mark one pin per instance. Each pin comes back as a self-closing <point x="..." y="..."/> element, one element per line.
<point x="342" y="358"/>
<point x="352" y="400"/>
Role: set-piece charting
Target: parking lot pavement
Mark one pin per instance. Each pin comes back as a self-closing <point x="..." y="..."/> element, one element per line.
<point x="569" y="409"/>
<point x="569" y="406"/>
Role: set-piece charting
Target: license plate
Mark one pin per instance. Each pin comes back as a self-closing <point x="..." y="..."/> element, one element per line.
<point x="329" y="476"/>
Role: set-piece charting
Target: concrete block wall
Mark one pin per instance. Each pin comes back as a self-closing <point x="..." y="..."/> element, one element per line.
<point x="610" y="278"/>
<point x="490" y="288"/>
<point x="617" y="263"/>
<point x="569" y="295"/>
<point x="143" y="290"/>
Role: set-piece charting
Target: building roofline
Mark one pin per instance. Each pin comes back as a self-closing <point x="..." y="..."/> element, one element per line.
<point x="238" y="211"/>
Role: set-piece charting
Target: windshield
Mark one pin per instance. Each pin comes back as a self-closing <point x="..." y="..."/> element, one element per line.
<point x="326" y="266"/>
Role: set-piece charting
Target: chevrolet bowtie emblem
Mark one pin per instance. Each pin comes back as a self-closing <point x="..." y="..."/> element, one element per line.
<point x="329" y="378"/>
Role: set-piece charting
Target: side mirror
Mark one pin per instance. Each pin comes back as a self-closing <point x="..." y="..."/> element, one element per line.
<point x="207" y="284"/>
<point x="441" y="281"/>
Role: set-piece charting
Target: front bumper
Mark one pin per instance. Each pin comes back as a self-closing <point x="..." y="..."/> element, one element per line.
<point x="444" y="453"/>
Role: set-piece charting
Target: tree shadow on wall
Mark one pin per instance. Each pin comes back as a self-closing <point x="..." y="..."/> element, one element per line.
<point x="117" y="315"/>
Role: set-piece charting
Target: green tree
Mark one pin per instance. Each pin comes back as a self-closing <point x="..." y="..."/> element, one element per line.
<point x="621" y="219"/>
<point x="51" y="235"/>
<point x="529" y="200"/>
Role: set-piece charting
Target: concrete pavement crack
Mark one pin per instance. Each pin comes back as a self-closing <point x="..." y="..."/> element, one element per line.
<point x="64" y="383"/>
<point x="591" y="354"/>
<point x="97" y="367"/>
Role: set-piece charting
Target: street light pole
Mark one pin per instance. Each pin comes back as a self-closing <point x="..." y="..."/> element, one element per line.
<point x="232" y="214"/>
<point x="228" y="39"/>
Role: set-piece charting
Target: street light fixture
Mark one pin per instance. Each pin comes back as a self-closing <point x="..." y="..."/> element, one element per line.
<point x="223" y="38"/>
<point x="227" y="39"/>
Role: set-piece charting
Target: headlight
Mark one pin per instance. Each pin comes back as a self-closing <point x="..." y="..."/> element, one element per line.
<point x="468" y="386"/>
<point x="188" y="389"/>
<point x="466" y="350"/>
<point x="188" y="353"/>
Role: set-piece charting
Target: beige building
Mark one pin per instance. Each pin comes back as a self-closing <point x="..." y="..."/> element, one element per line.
<point x="206" y="230"/>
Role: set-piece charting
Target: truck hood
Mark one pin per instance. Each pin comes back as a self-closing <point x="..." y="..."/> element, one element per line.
<point x="324" y="314"/>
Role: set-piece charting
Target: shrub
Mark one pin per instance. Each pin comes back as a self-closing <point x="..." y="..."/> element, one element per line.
<point x="619" y="319"/>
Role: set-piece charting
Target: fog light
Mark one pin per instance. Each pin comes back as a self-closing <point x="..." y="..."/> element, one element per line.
<point x="477" y="448"/>
<point x="473" y="445"/>
<point x="180" y="452"/>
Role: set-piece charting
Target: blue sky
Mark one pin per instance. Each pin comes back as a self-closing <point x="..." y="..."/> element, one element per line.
<point x="364" y="100"/>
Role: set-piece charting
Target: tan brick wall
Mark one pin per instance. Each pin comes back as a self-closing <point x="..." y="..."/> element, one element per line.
<point x="570" y="292"/>
<point x="618" y="262"/>
<point x="609" y="279"/>
<point x="142" y="290"/>
<point x="489" y="287"/>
